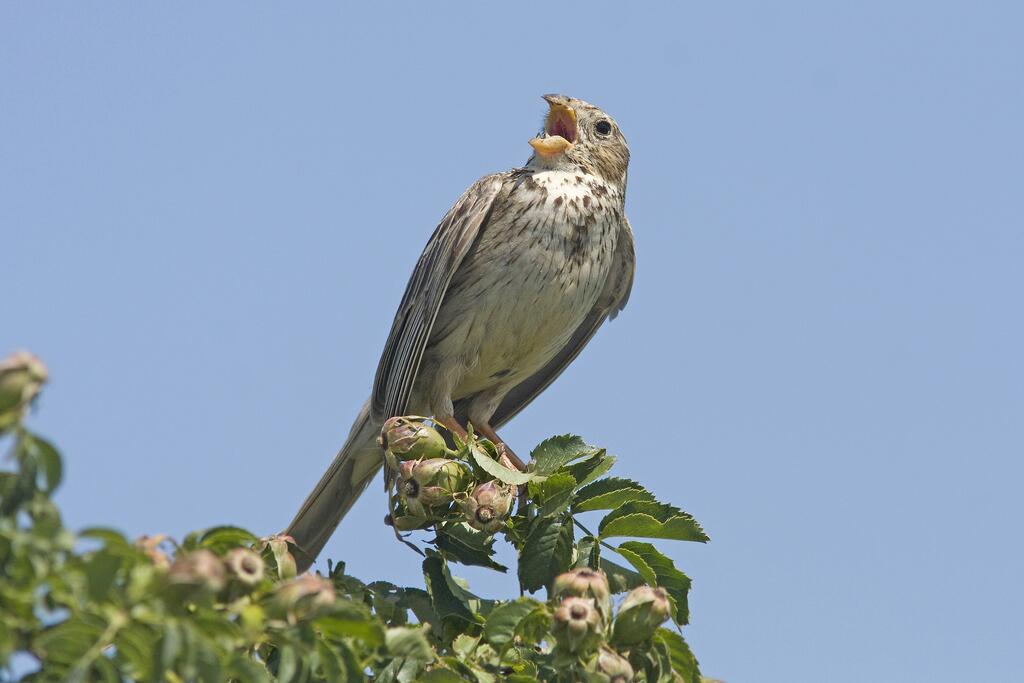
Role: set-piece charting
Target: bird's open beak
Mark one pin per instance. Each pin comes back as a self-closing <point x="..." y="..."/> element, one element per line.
<point x="559" y="130"/>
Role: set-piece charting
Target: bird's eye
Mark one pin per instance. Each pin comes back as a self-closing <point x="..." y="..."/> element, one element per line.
<point x="603" y="127"/>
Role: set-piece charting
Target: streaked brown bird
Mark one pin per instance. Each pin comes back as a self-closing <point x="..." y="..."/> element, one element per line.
<point x="512" y="285"/>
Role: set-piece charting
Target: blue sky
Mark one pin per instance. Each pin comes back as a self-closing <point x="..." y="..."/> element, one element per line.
<point x="208" y="215"/>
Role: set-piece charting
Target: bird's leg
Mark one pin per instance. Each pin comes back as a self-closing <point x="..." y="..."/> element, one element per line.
<point x="452" y="425"/>
<point x="488" y="433"/>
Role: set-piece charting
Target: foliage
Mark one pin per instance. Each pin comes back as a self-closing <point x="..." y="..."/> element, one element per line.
<point x="225" y="605"/>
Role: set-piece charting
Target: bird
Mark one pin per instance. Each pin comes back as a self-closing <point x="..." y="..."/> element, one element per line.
<point x="515" y="280"/>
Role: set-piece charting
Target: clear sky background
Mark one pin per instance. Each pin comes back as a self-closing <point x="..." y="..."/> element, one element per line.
<point x="209" y="213"/>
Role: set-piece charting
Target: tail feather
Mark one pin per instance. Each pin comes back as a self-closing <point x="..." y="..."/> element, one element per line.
<point x="353" y="468"/>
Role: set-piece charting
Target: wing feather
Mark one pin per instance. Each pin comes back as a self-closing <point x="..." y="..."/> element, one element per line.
<point x="448" y="246"/>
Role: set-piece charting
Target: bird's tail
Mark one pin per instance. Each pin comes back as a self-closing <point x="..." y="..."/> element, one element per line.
<point x="346" y="478"/>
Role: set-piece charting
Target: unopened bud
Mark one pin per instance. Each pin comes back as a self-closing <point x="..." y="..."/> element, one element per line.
<point x="641" y="613"/>
<point x="584" y="583"/>
<point x="488" y="506"/>
<point x="245" y="565"/>
<point x="280" y="549"/>
<point x="150" y="545"/>
<point x="613" y="666"/>
<point x="22" y="376"/>
<point x="200" y="568"/>
<point x="578" y="626"/>
<point x="426" y="483"/>
<point x="407" y="438"/>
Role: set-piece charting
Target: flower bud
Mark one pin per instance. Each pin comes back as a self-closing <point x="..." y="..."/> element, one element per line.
<point x="425" y="483"/>
<point x="578" y="626"/>
<point x="22" y="376"/>
<point x="641" y="613"/>
<point x="199" y="568"/>
<point x="301" y="597"/>
<point x="150" y="545"/>
<point x="613" y="666"/>
<point x="488" y="506"/>
<point x="245" y="565"/>
<point x="584" y="583"/>
<point x="406" y="438"/>
<point x="279" y="546"/>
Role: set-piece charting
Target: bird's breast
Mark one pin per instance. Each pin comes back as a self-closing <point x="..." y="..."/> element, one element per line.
<point x="534" y="274"/>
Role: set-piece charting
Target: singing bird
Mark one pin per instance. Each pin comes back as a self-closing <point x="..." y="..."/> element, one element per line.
<point x="512" y="285"/>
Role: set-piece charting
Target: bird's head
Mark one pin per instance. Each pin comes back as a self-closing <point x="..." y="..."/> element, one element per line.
<point x="578" y="135"/>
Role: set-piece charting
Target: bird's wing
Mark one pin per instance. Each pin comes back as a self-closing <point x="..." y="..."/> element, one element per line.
<point x="448" y="246"/>
<point x="612" y="300"/>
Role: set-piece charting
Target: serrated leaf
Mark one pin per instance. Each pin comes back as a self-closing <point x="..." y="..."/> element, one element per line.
<point x="587" y="471"/>
<point x="645" y="519"/>
<point x="446" y="601"/>
<point x="546" y="553"/>
<point x="609" y="494"/>
<point x="554" y="494"/>
<point x="680" y="655"/>
<point x="494" y="468"/>
<point x="510" y="619"/>
<point x="620" y="579"/>
<point x="558" y="451"/>
<point x="640" y="564"/>
<point x="461" y="543"/>
<point x="665" y="575"/>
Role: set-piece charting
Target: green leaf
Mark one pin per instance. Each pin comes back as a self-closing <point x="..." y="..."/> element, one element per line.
<point x="221" y="539"/>
<point x="651" y="520"/>
<point x="419" y="603"/>
<point x="665" y="575"/>
<point x="350" y="619"/>
<point x="586" y="471"/>
<point x="610" y="493"/>
<point x="620" y="579"/>
<point x="167" y="650"/>
<point x="101" y="572"/>
<point x="135" y="644"/>
<point x="546" y="553"/>
<point x="588" y="553"/>
<point x="110" y="537"/>
<point x="645" y="571"/>
<point x="337" y="627"/>
<point x="408" y="642"/>
<point x="69" y="641"/>
<point x="446" y="601"/>
<point x="494" y="468"/>
<point x="683" y="661"/>
<point x="464" y="644"/>
<point x="558" y="451"/>
<point x="441" y="675"/>
<point x="48" y="458"/>
<point x="553" y="494"/>
<point x="508" y="620"/>
<point x="464" y="544"/>
<point x="327" y="664"/>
